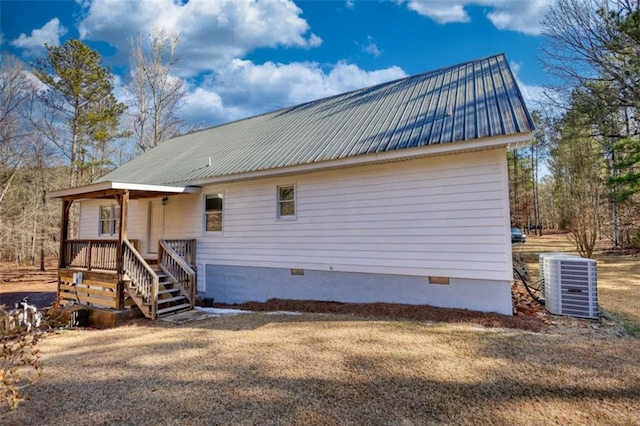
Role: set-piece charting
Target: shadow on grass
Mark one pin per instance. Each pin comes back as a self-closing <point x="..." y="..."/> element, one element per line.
<point x="174" y="376"/>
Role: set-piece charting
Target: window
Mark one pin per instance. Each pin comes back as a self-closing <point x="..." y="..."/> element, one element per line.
<point x="213" y="212"/>
<point x="109" y="220"/>
<point x="286" y="202"/>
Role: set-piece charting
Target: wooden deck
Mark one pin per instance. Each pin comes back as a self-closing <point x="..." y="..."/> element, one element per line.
<point x="99" y="275"/>
<point x="92" y="288"/>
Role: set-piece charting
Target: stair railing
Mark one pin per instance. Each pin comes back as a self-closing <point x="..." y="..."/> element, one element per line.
<point x="186" y="249"/>
<point x="172" y="263"/>
<point x="143" y="280"/>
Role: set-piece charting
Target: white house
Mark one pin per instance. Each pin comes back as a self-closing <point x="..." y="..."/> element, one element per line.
<point x="392" y="193"/>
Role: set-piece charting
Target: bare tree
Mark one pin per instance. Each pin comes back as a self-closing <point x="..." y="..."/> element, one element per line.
<point x="579" y="172"/>
<point x="17" y="92"/>
<point x="588" y="41"/>
<point x="155" y="94"/>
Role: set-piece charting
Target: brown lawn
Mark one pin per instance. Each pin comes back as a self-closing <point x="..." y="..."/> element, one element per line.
<point x="618" y="276"/>
<point x="331" y="369"/>
<point x="345" y="369"/>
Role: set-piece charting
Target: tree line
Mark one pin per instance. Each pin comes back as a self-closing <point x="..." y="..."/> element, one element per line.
<point x="590" y="140"/>
<point x="62" y="125"/>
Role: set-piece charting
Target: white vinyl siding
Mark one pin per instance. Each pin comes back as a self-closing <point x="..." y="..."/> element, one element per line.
<point x="183" y="217"/>
<point x="88" y="227"/>
<point x="443" y="216"/>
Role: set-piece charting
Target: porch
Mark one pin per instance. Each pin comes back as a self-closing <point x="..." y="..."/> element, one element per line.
<point x="112" y="274"/>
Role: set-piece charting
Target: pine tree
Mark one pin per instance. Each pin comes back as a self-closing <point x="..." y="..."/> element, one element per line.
<point x="83" y="106"/>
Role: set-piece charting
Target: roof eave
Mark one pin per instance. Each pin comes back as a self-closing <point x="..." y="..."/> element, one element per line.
<point x="103" y="189"/>
<point x="509" y="142"/>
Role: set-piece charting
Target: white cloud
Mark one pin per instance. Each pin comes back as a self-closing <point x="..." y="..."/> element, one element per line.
<point x="525" y="17"/>
<point x="242" y="89"/>
<point x="521" y="16"/>
<point x="33" y="45"/>
<point x="440" y="11"/>
<point x="371" y="47"/>
<point x="211" y="32"/>
<point x="214" y="36"/>
<point x="534" y="96"/>
<point x="204" y="107"/>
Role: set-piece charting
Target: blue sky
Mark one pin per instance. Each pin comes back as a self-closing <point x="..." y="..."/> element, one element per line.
<point x="242" y="58"/>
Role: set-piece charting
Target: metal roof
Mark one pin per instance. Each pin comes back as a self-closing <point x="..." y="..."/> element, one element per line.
<point x="474" y="100"/>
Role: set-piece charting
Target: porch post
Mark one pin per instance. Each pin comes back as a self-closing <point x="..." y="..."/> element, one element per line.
<point x="123" y="201"/>
<point x="64" y="233"/>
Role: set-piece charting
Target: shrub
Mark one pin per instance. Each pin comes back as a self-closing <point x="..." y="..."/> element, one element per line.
<point x="20" y="362"/>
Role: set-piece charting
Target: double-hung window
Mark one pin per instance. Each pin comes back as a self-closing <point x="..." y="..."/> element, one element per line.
<point x="213" y="204"/>
<point x="286" y="202"/>
<point x="109" y="220"/>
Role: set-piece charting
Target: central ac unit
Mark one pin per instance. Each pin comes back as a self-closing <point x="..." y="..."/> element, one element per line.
<point x="570" y="285"/>
<point x="543" y="256"/>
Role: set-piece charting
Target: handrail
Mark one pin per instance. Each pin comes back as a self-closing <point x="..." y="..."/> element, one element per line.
<point x="142" y="276"/>
<point x="172" y="264"/>
<point x="185" y="249"/>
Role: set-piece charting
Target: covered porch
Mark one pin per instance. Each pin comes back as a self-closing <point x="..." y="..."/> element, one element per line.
<point x="111" y="273"/>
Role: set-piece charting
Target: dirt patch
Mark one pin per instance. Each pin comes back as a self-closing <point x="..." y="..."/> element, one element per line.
<point x="28" y="281"/>
<point x="525" y="320"/>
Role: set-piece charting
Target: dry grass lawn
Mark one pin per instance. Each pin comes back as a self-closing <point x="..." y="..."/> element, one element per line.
<point x="341" y="369"/>
<point x="331" y="369"/>
<point x="618" y="276"/>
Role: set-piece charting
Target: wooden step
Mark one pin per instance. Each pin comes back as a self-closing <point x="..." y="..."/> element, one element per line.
<point x="171" y="299"/>
<point x="176" y="308"/>
<point x="167" y="290"/>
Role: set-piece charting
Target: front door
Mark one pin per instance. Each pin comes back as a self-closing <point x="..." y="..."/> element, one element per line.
<point x="156" y="224"/>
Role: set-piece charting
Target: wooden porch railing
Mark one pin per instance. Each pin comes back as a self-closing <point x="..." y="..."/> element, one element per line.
<point x="174" y="263"/>
<point x="142" y="280"/>
<point x="91" y="254"/>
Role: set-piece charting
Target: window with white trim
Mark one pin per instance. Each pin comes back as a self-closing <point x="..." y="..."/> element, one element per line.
<point x="213" y="207"/>
<point x="109" y="221"/>
<point x="286" y="202"/>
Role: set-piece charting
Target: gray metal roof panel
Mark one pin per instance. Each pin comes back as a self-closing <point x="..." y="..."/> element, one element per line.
<point x="468" y="101"/>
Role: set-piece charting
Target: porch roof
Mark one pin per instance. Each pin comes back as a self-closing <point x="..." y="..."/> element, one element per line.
<point x="109" y="189"/>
